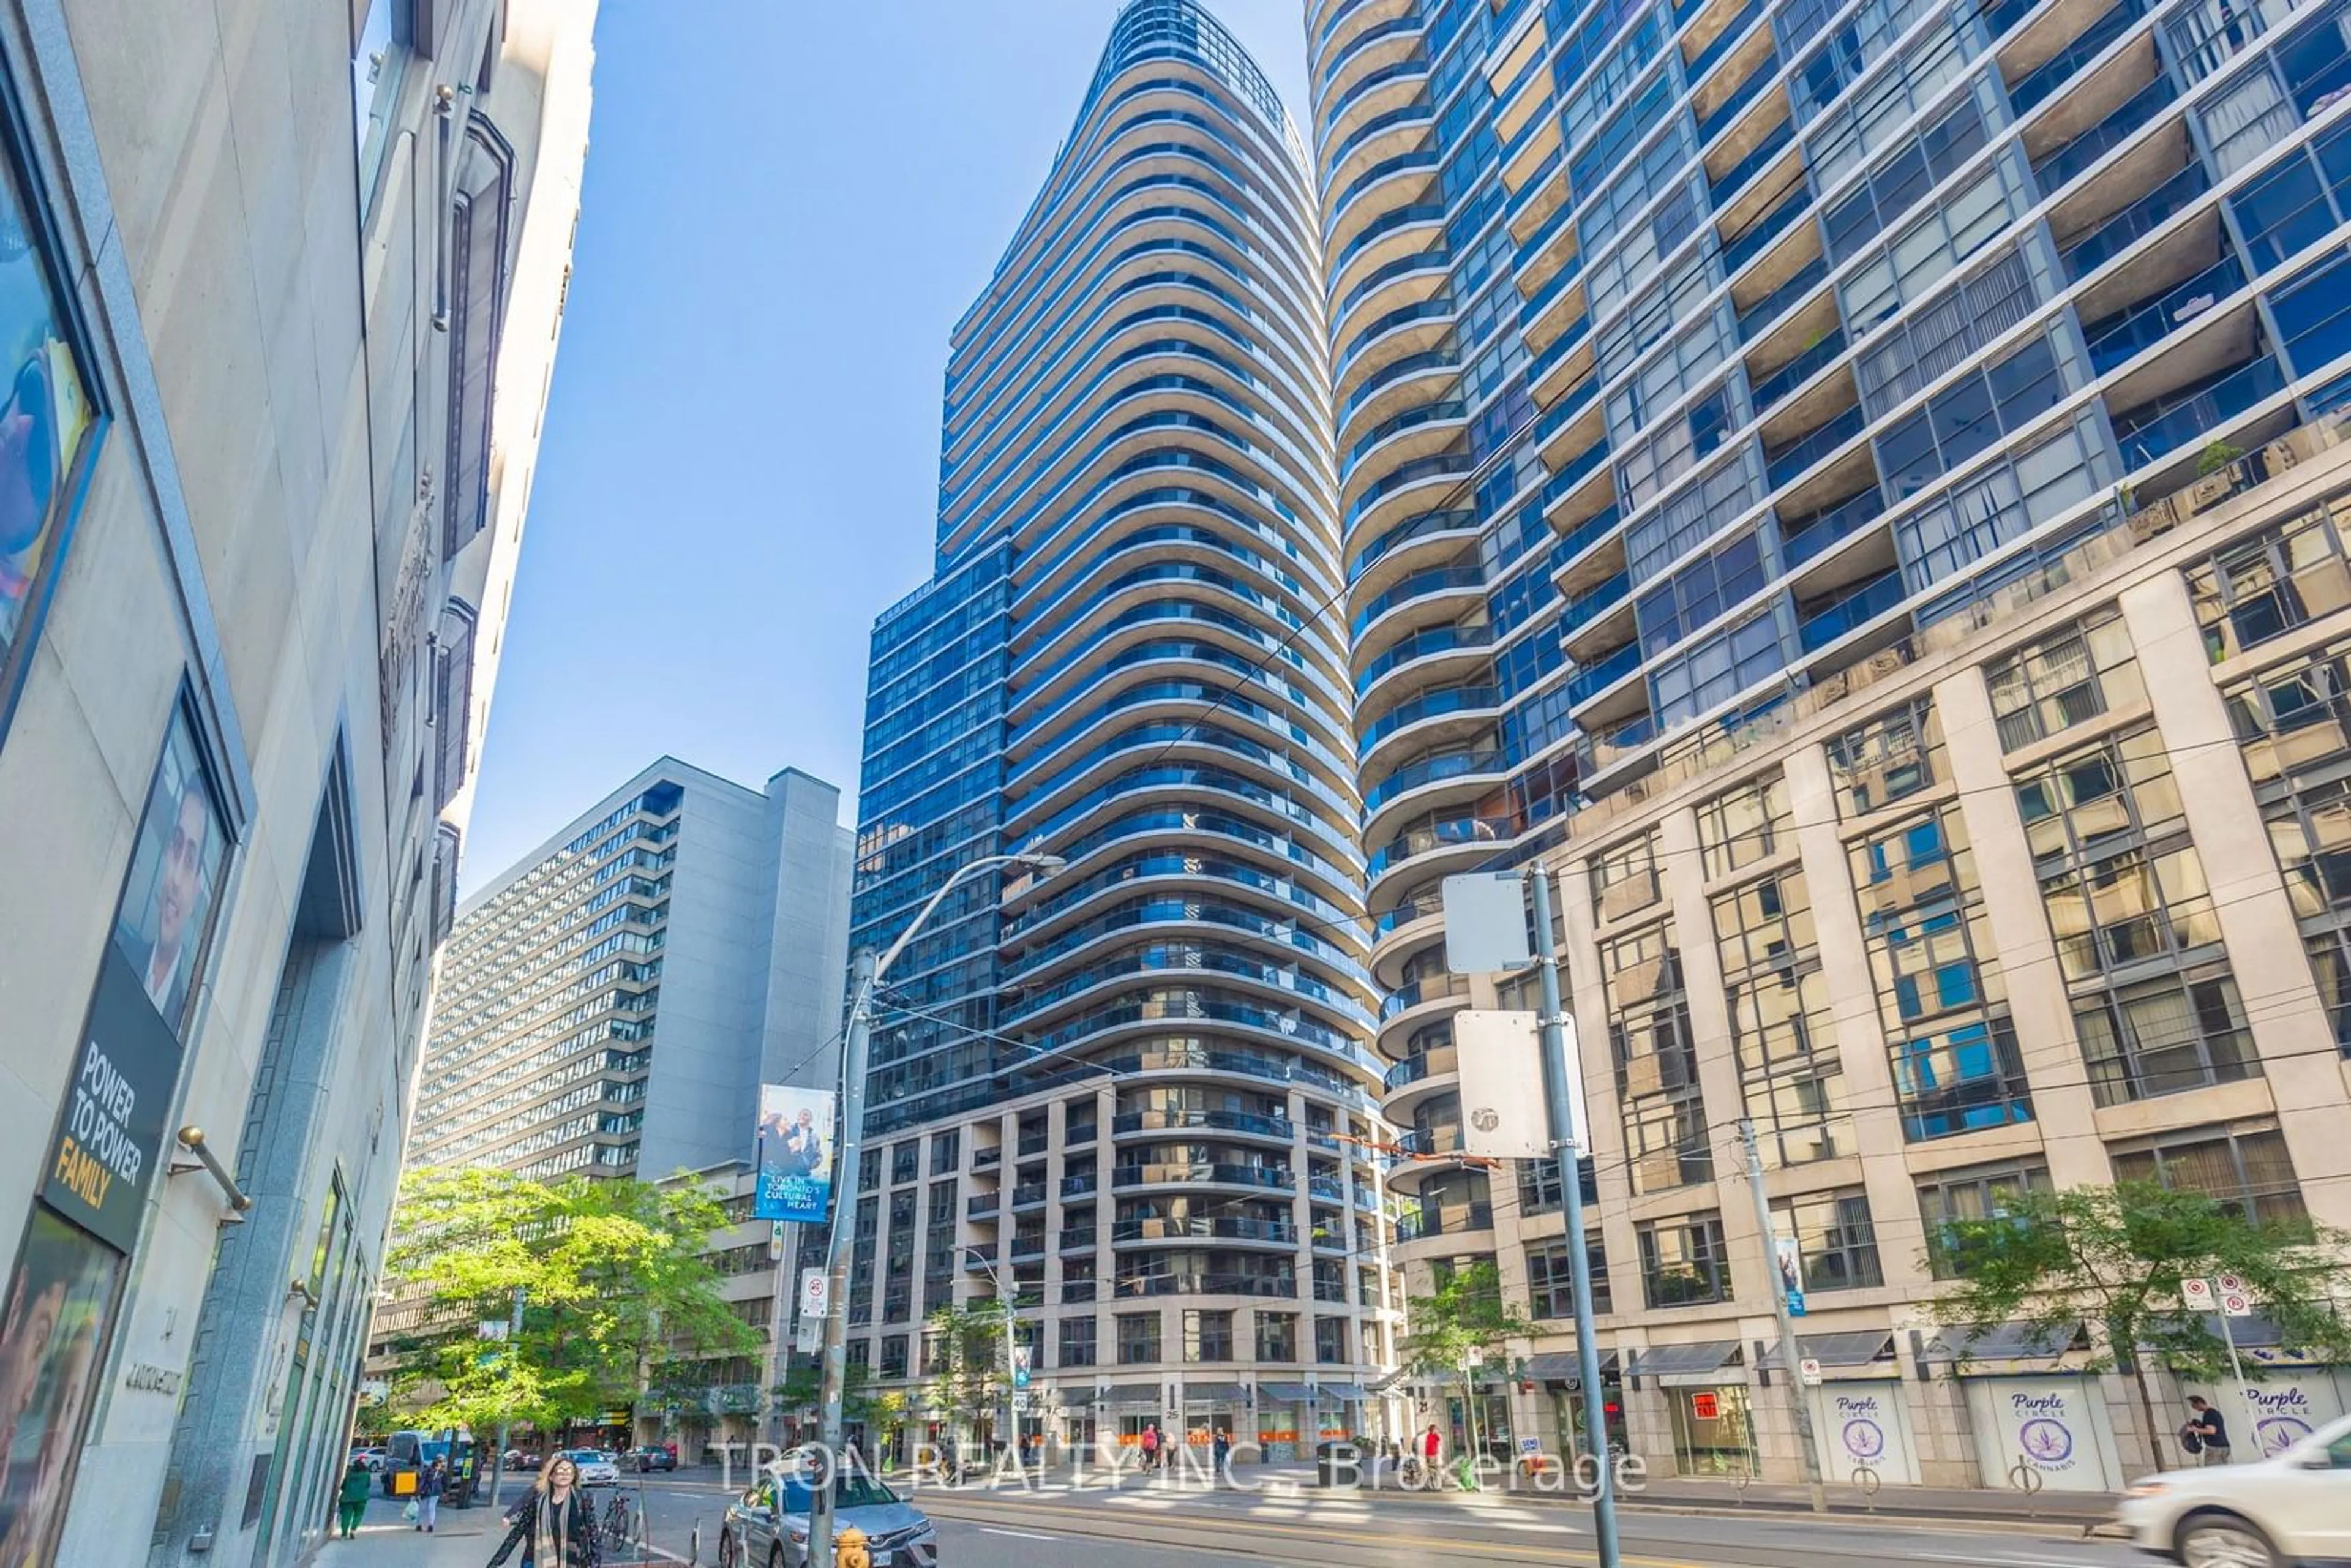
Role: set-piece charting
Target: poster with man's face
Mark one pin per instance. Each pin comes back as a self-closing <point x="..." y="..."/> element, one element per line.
<point x="45" y="422"/>
<point x="52" y="1324"/>
<point x="175" y="871"/>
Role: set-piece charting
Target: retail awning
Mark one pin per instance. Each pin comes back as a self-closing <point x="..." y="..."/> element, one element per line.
<point x="2002" y="1342"/>
<point x="1390" y="1381"/>
<point x="1288" y="1392"/>
<point x="1559" y="1365"/>
<point x="1215" y="1394"/>
<point x="1677" y="1363"/>
<point x="1341" y="1394"/>
<point x="1130" y="1393"/>
<point x="1862" y="1347"/>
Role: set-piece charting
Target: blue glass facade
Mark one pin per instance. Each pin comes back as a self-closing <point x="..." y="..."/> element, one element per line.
<point x="1150" y="1072"/>
<point x="1689" y="354"/>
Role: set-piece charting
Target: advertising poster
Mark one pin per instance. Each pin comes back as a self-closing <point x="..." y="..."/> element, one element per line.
<point x="2273" y="1410"/>
<point x="52" y="1327"/>
<point x="45" y="430"/>
<point x="796" y="1154"/>
<point x="1863" y="1426"/>
<point x="2046" y="1424"/>
<point x="1791" y="1260"/>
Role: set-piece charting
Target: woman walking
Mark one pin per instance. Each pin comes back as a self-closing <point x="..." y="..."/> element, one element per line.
<point x="350" y="1501"/>
<point x="555" y="1524"/>
<point x="429" y="1487"/>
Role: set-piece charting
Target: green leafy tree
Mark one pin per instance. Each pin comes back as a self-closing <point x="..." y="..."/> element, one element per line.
<point x="610" y="1273"/>
<point x="966" y="1351"/>
<point x="801" y="1394"/>
<point x="2112" y="1258"/>
<point x="1464" y="1316"/>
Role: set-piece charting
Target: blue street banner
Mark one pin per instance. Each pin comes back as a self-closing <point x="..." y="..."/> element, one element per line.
<point x="796" y="1154"/>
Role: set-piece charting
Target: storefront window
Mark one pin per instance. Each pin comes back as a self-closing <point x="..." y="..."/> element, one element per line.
<point x="1713" y="1434"/>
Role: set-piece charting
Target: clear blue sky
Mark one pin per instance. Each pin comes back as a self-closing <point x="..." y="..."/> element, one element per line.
<point x="787" y="208"/>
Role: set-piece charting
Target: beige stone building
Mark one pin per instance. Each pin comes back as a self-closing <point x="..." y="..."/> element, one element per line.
<point x="281" y="282"/>
<point x="2050" y="892"/>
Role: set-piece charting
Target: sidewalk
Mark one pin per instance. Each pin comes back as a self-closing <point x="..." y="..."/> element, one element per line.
<point x="465" y="1538"/>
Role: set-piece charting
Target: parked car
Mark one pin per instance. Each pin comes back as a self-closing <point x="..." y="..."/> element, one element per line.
<point x="652" y="1457"/>
<point x="517" y="1459"/>
<point x="2292" y="1508"/>
<point x="597" y="1468"/>
<point x="371" y="1457"/>
<point x="768" y="1526"/>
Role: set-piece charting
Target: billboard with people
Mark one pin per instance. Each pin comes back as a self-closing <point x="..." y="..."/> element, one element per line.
<point x="796" y="1143"/>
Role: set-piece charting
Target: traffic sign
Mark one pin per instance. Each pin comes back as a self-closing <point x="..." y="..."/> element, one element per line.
<point x="2196" y="1294"/>
<point x="816" y="1293"/>
<point x="2236" y="1304"/>
<point x="1809" y="1370"/>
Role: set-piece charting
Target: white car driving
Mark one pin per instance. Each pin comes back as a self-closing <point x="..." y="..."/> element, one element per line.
<point x="2292" y="1508"/>
<point x="597" y="1468"/>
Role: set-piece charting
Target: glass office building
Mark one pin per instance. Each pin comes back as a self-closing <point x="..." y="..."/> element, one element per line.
<point x="1137" y="1093"/>
<point x="1697" y="363"/>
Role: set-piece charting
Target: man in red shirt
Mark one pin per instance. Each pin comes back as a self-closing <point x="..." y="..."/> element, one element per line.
<point x="1431" y="1444"/>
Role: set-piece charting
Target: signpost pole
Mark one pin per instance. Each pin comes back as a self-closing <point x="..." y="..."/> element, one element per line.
<point x="1560" y="1092"/>
<point x="1791" y="1356"/>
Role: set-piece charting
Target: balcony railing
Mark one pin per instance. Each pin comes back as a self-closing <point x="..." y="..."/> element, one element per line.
<point x="1735" y="179"/>
<point x="1852" y="612"/>
<point x="1555" y="418"/>
<point x="1456" y="520"/>
<point x="1025" y="1196"/>
<point x="1431" y="770"/>
<point x="1738" y="253"/>
<point x="1442" y="465"/>
<point x="1205" y="1227"/>
<point x="1426" y="310"/>
<point x="1436" y="579"/>
<point x="1271" y="1178"/>
<point x="1078" y="1186"/>
<point x="1570" y="479"/>
<point x="1592" y="602"/>
<point x="1724" y="42"/>
<point x="2058" y="68"/>
<point x="2123" y="337"/>
<point x="1766" y="310"/>
<point x="1454" y="1220"/>
<point x="2061" y="168"/>
<point x="1817" y="533"/>
<point x="1427" y="414"/>
<point x="1430" y="704"/>
<point x="1794" y="460"/>
<point x="984" y="1204"/>
<point x="1776" y="386"/>
<point x="1193" y="1121"/>
<point x="1593" y="679"/>
<point x="1742" y="96"/>
<point x="2119" y="231"/>
<point x="2178" y="421"/>
<point x="1269" y="1285"/>
<point x="1421" y="645"/>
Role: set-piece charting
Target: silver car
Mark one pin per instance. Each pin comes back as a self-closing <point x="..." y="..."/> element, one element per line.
<point x="768" y="1526"/>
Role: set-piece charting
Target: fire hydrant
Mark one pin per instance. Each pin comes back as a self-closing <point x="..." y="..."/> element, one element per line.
<point x="849" y="1549"/>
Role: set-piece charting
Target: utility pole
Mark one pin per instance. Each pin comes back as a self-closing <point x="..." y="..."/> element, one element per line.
<point x="837" y="1246"/>
<point x="1559" y="1091"/>
<point x="513" y="1338"/>
<point x="1790" y="1355"/>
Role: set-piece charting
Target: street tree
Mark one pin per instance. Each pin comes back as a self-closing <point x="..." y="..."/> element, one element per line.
<point x="608" y="1273"/>
<point x="2111" y="1261"/>
<point x="1464" y="1319"/>
<point x="964" y="1345"/>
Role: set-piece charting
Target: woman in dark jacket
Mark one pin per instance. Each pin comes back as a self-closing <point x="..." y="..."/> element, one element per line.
<point x="555" y="1524"/>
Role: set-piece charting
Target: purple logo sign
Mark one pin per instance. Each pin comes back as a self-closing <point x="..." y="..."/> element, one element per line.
<point x="2046" y="1440"/>
<point x="1864" y="1438"/>
<point x="2278" y="1433"/>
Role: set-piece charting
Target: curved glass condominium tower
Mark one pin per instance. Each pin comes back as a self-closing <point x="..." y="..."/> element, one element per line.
<point x="1138" y="1092"/>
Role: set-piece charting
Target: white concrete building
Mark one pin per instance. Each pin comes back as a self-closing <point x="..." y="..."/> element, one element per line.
<point x="282" y="283"/>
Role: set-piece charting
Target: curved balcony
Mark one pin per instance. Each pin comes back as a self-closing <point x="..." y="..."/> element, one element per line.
<point x="1467" y="838"/>
<point x="1201" y="1228"/>
<point x="1387" y="237"/>
<point x="1227" y="1174"/>
<point x="1477" y="772"/>
<point x="1471" y="706"/>
<point x="1333" y="25"/>
<point x="1382" y="44"/>
<point x="1204" y="915"/>
<point x="1276" y="1287"/>
<point x="1449" y="1222"/>
<point x="1406" y="280"/>
<point x="1191" y="1009"/>
<point x="1377" y="187"/>
<point x="1415" y="1079"/>
<point x="1140" y="879"/>
<point x="1424" y="650"/>
<point x="1414" y="439"/>
<point x="1201" y="959"/>
<point x="1232" y="1124"/>
<point x="1442" y="591"/>
<point x="1374" y="93"/>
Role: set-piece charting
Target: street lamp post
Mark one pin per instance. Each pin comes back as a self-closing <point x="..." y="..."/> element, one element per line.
<point x="865" y="978"/>
<point x="1011" y="1397"/>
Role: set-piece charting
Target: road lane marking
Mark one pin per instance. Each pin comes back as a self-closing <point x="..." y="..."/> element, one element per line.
<point x="1020" y="1534"/>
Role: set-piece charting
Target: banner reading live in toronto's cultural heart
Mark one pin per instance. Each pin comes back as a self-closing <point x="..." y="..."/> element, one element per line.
<point x="796" y="1154"/>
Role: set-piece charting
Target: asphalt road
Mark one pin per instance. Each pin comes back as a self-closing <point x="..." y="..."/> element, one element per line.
<point x="1140" y="1529"/>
